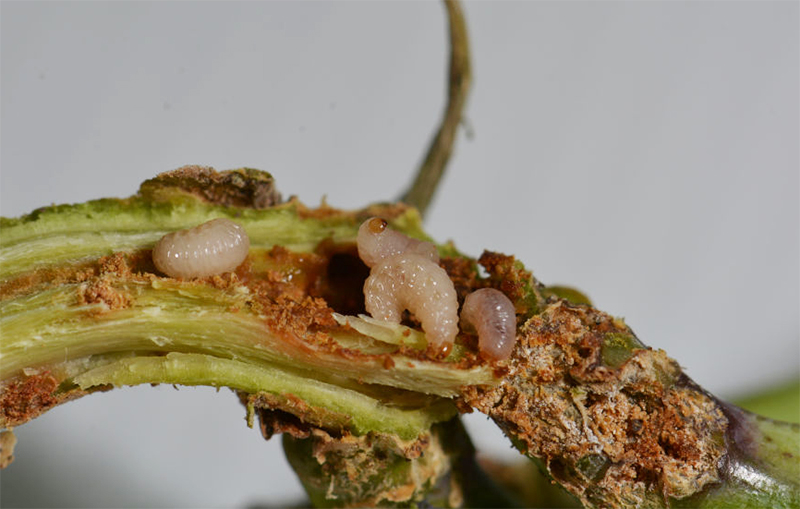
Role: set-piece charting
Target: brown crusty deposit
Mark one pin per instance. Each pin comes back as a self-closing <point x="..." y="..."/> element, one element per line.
<point x="636" y="434"/>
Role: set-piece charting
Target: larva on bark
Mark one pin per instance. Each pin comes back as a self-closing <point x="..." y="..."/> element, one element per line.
<point x="493" y="316"/>
<point x="214" y="247"/>
<point x="405" y="275"/>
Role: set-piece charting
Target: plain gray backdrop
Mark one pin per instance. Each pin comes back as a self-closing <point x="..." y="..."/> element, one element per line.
<point x="646" y="152"/>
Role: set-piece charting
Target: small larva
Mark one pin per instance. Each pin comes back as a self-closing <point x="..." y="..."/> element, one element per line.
<point x="377" y="241"/>
<point x="493" y="316"/>
<point x="405" y="275"/>
<point x="412" y="281"/>
<point x="218" y="246"/>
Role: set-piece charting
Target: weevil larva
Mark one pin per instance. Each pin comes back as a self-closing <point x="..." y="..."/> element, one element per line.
<point x="493" y="316"/>
<point x="412" y="281"/>
<point x="214" y="247"/>
<point x="405" y="275"/>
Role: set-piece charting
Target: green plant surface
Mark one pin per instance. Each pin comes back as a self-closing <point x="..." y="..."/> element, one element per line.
<point x="781" y="402"/>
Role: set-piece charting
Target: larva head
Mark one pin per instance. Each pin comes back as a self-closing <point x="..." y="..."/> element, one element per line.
<point x="376" y="241"/>
<point x="372" y="245"/>
<point x="376" y="225"/>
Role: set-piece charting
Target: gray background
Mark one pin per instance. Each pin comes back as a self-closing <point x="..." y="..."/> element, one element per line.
<point x="644" y="152"/>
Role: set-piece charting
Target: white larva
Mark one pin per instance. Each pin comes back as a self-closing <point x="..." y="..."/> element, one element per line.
<point x="377" y="241"/>
<point x="493" y="316"/>
<point x="412" y="281"/>
<point x="405" y="275"/>
<point x="214" y="247"/>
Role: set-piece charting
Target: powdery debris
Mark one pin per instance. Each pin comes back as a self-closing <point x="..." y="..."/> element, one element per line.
<point x="625" y="434"/>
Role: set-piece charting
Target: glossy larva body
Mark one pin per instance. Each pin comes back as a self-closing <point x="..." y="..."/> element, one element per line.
<point x="494" y="318"/>
<point x="214" y="247"/>
<point x="405" y="275"/>
<point x="377" y="241"/>
<point x="414" y="282"/>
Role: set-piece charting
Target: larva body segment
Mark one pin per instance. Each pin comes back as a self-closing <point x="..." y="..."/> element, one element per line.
<point x="414" y="282"/>
<point x="493" y="316"/>
<point x="214" y="247"/>
<point x="377" y="241"/>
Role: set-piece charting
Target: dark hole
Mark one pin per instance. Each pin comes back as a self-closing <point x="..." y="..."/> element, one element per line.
<point x="593" y="398"/>
<point x="667" y="446"/>
<point x="635" y="426"/>
<point x="343" y="286"/>
<point x="559" y="470"/>
<point x="646" y="475"/>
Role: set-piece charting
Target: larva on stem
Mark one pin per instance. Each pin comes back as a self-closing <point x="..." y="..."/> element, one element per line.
<point x="214" y="247"/>
<point x="377" y="241"/>
<point x="493" y="316"/>
<point x="405" y="275"/>
<point x="411" y="281"/>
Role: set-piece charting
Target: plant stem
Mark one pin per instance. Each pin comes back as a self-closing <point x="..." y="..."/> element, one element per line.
<point x="430" y="172"/>
<point x="618" y="424"/>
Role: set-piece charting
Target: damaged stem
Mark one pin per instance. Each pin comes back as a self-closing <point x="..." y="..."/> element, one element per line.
<point x="614" y="422"/>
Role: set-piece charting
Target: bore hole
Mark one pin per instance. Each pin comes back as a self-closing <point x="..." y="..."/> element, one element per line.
<point x="592" y="398"/>
<point x="635" y="426"/>
<point x="343" y="285"/>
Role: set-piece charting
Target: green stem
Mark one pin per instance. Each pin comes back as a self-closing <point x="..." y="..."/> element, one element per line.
<point x="430" y="172"/>
<point x="438" y="470"/>
<point x="761" y="468"/>
<point x="780" y="402"/>
<point x="83" y="309"/>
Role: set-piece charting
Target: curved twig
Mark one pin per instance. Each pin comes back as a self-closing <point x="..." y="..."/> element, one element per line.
<point x="432" y="168"/>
